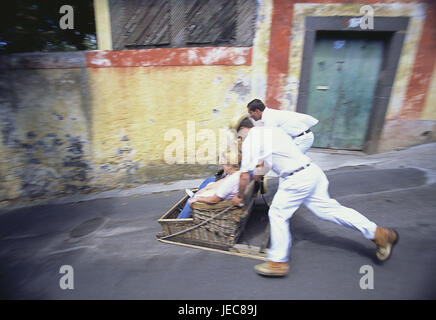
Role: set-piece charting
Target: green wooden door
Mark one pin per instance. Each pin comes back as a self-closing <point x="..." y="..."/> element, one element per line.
<point x="342" y="83"/>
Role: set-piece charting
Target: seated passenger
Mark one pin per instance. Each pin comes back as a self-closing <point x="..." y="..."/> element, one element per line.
<point x="223" y="189"/>
<point x="212" y="190"/>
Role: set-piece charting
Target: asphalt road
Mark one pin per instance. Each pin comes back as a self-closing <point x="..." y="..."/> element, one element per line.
<point x="110" y="245"/>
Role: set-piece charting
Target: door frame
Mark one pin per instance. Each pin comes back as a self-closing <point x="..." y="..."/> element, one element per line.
<point x="395" y="30"/>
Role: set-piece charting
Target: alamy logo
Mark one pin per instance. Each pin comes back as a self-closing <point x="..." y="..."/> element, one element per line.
<point x="67" y="20"/>
<point x="367" y="280"/>
<point x="67" y="280"/>
<point x="205" y="146"/>
<point x="367" y="21"/>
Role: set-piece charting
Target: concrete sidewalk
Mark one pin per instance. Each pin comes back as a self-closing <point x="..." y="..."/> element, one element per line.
<point x="421" y="157"/>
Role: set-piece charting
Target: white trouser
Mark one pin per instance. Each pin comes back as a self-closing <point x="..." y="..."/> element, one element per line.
<point x="309" y="186"/>
<point x="305" y="141"/>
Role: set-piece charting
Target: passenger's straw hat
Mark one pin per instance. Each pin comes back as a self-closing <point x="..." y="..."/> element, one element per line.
<point x="241" y="120"/>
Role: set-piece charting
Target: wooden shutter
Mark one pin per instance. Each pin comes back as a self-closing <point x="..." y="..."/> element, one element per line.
<point x="140" y="23"/>
<point x="181" y="23"/>
<point x="210" y="21"/>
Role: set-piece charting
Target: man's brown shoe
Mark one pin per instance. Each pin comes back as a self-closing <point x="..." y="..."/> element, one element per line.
<point x="272" y="269"/>
<point x="385" y="239"/>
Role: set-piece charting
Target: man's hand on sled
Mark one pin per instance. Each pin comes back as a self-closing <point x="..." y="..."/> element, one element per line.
<point x="236" y="201"/>
<point x="244" y="179"/>
<point x="260" y="171"/>
<point x="257" y="177"/>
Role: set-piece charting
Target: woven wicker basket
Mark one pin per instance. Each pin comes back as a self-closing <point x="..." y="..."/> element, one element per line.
<point x="225" y="229"/>
<point x="221" y="233"/>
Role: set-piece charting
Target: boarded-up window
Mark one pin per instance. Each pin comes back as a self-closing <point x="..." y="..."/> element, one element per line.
<point x="210" y="21"/>
<point x="181" y="23"/>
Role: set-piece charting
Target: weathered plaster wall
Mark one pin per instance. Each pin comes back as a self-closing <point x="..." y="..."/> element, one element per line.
<point x="88" y="121"/>
<point x="133" y="109"/>
<point x="93" y="121"/>
<point x="261" y="44"/>
<point x="403" y="131"/>
<point x="430" y="103"/>
<point x="45" y="123"/>
<point x="409" y="121"/>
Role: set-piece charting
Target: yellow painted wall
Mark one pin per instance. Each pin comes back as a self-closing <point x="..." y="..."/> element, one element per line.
<point x="133" y="108"/>
<point x="429" y="112"/>
<point x="103" y="24"/>
<point x="260" y="50"/>
<point x="94" y="129"/>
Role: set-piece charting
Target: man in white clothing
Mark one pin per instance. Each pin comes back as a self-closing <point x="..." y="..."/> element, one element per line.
<point x="295" y="124"/>
<point x="301" y="182"/>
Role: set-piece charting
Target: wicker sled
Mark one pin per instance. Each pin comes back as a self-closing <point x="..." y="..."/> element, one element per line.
<point x="216" y="227"/>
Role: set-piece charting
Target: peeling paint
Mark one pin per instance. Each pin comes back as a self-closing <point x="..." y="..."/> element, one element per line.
<point x="170" y="57"/>
<point x="197" y="93"/>
<point x="260" y="49"/>
<point x="241" y="89"/>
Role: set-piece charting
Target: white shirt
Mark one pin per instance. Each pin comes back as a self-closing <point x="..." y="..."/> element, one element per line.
<point x="274" y="147"/>
<point x="225" y="189"/>
<point x="292" y="122"/>
<point x="229" y="187"/>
